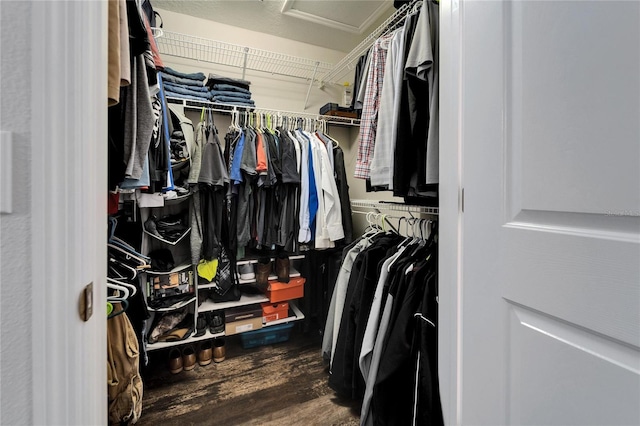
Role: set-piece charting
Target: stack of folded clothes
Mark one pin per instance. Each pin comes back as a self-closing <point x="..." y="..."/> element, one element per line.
<point x="185" y="86"/>
<point x="228" y="90"/>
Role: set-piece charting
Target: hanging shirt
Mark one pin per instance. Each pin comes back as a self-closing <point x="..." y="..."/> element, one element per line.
<point x="304" y="234"/>
<point x="369" y="118"/>
<point x="330" y="198"/>
<point x="235" y="174"/>
<point x="422" y="63"/>
<point x="316" y="208"/>
<point x="381" y="172"/>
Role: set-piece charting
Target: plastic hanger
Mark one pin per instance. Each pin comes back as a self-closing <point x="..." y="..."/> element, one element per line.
<point x="132" y="288"/>
<point x="129" y="256"/>
<point x="118" y="287"/>
<point x="116" y="263"/>
<point x="124" y="304"/>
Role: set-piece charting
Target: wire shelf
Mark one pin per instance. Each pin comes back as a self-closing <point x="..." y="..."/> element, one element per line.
<point x="249" y="58"/>
<point x="228" y="109"/>
<point x="393" y="206"/>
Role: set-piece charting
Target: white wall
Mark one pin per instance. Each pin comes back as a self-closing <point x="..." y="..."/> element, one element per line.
<point x="16" y="354"/>
<point x="268" y="91"/>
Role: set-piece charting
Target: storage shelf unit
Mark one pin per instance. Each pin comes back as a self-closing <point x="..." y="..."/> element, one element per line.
<point x="393" y="206"/>
<point x="297" y="315"/>
<point x="292" y="274"/>
<point x="228" y="109"/>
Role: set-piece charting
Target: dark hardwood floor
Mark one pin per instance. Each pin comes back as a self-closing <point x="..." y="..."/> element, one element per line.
<point x="279" y="384"/>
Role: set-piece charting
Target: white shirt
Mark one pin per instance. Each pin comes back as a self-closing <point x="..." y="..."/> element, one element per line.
<point x="304" y="235"/>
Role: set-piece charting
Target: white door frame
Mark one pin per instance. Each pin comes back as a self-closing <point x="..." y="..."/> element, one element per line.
<point x="450" y="217"/>
<point x="69" y="209"/>
<point x="64" y="37"/>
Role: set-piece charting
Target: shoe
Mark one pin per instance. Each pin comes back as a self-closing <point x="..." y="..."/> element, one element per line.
<point x="201" y="325"/>
<point x="282" y="269"/>
<point x="203" y="295"/>
<point x="216" y="322"/>
<point x="246" y="272"/>
<point x="205" y="353"/>
<point x="175" y="361"/>
<point x="218" y="350"/>
<point x="263" y="269"/>
<point x="188" y="358"/>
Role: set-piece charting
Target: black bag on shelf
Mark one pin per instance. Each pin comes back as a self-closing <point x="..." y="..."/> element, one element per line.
<point x="162" y="260"/>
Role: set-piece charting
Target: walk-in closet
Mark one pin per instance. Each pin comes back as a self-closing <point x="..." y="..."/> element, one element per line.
<point x="319" y="212"/>
<point x="242" y="229"/>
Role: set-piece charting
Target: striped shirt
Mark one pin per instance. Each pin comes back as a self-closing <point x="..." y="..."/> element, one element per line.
<point x="369" y="118"/>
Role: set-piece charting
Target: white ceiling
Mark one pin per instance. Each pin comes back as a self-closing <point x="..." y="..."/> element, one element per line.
<point x="334" y="24"/>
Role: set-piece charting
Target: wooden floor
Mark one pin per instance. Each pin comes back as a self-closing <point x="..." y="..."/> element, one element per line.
<point x="280" y="384"/>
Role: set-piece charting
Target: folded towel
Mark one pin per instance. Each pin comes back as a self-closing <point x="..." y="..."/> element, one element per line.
<point x="193" y="76"/>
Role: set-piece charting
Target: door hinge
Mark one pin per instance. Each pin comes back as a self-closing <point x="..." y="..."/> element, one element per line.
<point x="462" y="200"/>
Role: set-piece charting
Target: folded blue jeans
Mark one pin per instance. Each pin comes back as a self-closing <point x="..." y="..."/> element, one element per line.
<point x="172" y="86"/>
<point x="171" y="94"/>
<point x="218" y="79"/>
<point x="185" y="91"/>
<point x="179" y="80"/>
<point x="193" y="76"/>
<point x="230" y="94"/>
<point x="230" y="88"/>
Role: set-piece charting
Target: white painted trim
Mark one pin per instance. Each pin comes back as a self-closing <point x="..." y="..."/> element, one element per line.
<point x="450" y="218"/>
<point x="287" y="9"/>
<point x="68" y="207"/>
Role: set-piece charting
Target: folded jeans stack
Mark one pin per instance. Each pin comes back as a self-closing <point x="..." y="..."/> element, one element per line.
<point x="230" y="91"/>
<point x="185" y="86"/>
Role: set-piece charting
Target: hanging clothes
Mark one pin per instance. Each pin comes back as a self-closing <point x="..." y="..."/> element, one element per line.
<point x="381" y="333"/>
<point x="369" y="119"/>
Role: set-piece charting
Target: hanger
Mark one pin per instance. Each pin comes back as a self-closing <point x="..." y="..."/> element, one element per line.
<point x="422" y="317"/>
<point x="125" y="305"/>
<point x="118" y="287"/>
<point x="132" y="288"/>
<point x="114" y="263"/>
<point x="129" y="256"/>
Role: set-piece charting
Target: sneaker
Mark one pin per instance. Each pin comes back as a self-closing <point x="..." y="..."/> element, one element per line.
<point x="216" y="322"/>
<point x="246" y="272"/>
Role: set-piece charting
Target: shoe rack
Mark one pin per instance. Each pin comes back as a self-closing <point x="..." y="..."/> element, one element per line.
<point x="295" y="314"/>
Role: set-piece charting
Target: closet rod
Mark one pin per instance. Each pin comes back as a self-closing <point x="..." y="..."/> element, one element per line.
<point x="394" y="206"/>
<point x="347" y="62"/>
<point x="228" y="109"/>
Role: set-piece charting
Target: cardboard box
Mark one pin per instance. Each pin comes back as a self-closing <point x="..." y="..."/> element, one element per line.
<point x="279" y="292"/>
<point x="274" y="311"/>
<point x="237" y="327"/>
<point x="242" y="318"/>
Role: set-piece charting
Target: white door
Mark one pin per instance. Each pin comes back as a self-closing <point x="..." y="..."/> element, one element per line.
<point x="67" y="76"/>
<point x="550" y="143"/>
